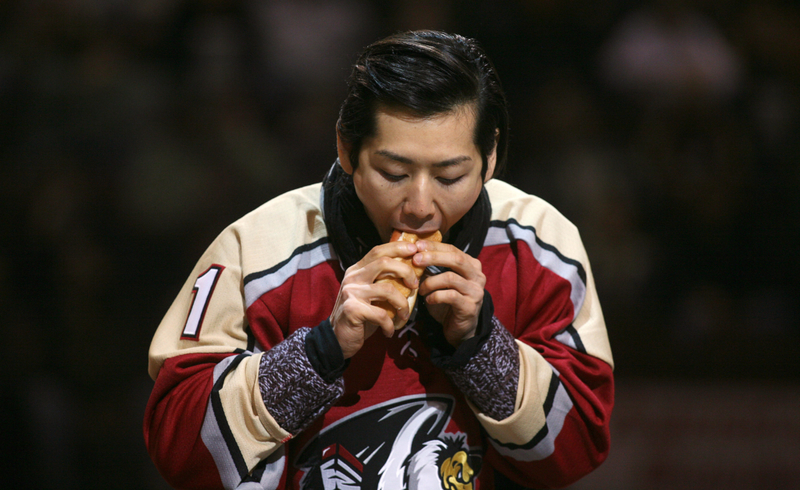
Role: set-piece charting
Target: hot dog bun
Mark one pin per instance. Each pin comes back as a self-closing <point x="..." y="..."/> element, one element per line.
<point x="398" y="283"/>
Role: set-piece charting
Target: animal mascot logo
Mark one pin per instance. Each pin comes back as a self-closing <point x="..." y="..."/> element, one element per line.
<point x="397" y="445"/>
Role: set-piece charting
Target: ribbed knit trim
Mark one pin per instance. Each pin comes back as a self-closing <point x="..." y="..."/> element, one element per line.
<point x="491" y="377"/>
<point x="293" y="392"/>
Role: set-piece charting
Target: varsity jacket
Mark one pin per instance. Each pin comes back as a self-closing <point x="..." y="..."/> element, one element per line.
<point x="249" y="393"/>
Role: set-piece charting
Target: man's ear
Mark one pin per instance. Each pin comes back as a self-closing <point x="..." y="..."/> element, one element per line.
<point x="343" y="149"/>
<point x="491" y="160"/>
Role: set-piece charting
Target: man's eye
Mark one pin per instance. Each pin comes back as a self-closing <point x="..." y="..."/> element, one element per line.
<point x="391" y="177"/>
<point x="446" y="182"/>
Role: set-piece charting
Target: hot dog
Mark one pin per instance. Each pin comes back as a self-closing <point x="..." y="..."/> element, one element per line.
<point x="398" y="283"/>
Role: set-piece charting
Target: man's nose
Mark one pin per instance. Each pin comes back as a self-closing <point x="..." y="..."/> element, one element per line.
<point x="419" y="201"/>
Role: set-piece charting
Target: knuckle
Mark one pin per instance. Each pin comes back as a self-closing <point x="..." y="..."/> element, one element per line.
<point x="452" y="278"/>
<point x="386" y="289"/>
<point x="348" y="290"/>
<point x="349" y="308"/>
<point x="476" y="264"/>
<point x="384" y="261"/>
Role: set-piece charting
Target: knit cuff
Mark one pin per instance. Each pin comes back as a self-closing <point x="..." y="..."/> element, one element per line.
<point x="491" y="377"/>
<point x="292" y="390"/>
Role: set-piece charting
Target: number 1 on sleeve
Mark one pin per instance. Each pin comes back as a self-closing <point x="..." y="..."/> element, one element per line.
<point x="201" y="295"/>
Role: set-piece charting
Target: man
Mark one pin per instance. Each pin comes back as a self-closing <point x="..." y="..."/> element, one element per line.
<point x="269" y="372"/>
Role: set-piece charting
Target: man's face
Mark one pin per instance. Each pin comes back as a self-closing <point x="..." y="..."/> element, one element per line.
<point x="418" y="175"/>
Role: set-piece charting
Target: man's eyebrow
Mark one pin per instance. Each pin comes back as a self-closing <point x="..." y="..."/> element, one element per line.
<point x="402" y="159"/>
<point x="394" y="156"/>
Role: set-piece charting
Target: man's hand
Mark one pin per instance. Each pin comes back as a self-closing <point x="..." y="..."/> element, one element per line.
<point x="354" y="318"/>
<point x="454" y="298"/>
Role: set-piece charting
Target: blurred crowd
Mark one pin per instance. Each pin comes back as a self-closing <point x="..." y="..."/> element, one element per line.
<point x="132" y="132"/>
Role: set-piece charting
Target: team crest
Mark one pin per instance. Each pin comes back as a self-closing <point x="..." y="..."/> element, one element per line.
<point x="397" y="445"/>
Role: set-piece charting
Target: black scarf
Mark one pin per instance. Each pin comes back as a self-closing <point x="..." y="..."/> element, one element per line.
<point x="352" y="234"/>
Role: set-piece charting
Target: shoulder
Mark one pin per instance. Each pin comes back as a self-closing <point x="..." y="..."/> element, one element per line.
<point x="297" y="204"/>
<point x="275" y="230"/>
<point x="510" y="204"/>
<point x="517" y="213"/>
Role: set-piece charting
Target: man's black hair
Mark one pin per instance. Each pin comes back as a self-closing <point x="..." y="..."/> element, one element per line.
<point x="425" y="73"/>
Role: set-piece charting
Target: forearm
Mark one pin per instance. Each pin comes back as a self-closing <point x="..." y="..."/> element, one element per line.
<point x="205" y="421"/>
<point x="490" y="378"/>
<point x="485" y="368"/>
<point x="546" y="415"/>
<point x="293" y="390"/>
<point x="559" y="431"/>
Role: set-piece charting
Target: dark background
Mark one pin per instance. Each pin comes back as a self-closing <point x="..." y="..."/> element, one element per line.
<point x="132" y="132"/>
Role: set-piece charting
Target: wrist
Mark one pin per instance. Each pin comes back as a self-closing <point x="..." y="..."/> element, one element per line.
<point x="446" y="354"/>
<point x="456" y="341"/>
<point x="325" y="353"/>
